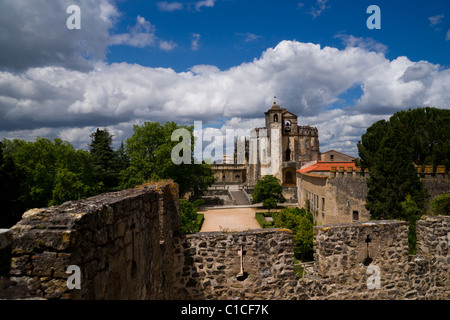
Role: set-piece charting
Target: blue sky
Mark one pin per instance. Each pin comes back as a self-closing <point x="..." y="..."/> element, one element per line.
<point x="220" y="62"/>
<point x="238" y="31"/>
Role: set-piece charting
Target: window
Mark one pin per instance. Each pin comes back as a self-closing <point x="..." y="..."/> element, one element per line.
<point x="287" y="126"/>
<point x="355" y="215"/>
<point x="331" y="157"/>
<point x="288" y="154"/>
<point x="275" y="118"/>
<point x="288" y="177"/>
<point x="323" y="204"/>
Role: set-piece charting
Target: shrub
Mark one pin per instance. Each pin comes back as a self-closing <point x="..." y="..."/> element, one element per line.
<point x="440" y="205"/>
<point x="199" y="222"/>
<point x="300" y="221"/>
<point x="188" y="216"/>
<point x="259" y="216"/>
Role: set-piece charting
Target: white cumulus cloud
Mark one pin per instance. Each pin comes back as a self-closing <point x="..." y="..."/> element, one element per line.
<point x="308" y="79"/>
<point x="169" y="6"/>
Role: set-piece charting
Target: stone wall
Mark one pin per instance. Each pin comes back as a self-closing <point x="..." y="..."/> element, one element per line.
<point x="5" y="251"/>
<point x="430" y="269"/>
<point x="347" y="255"/>
<point x="345" y="192"/>
<point x="350" y="192"/>
<point x="127" y="247"/>
<point x="122" y="242"/>
<point x="209" y="265"/>
<point x="334" y="199"/>
<point x="366" y="260"/>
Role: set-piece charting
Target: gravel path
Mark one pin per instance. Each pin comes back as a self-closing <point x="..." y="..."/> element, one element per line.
<point x="232" y="219"/>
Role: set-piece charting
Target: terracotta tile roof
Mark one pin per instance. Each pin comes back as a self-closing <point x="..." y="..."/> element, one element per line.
<point x="326" y="166"/>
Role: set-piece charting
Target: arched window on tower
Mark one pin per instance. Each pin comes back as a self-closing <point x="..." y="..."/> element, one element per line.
<point x="275" y="118"/>
<point x="287" y="126"/>
<point x="288" y="155"/>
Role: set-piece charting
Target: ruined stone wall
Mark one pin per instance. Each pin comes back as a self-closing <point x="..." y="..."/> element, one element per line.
<point x="430" y="268"/>
<point x="349" y="266"/>
<point x="122" y="243"/>
<point x="127" y="247"/>
<point x="208" y="265"/>
<point x="5" y="251"/>
<point x="347" y="255"/>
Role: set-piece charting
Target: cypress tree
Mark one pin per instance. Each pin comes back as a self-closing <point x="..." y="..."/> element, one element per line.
<point x="104" y="159"/>
<point x="393" y="177"/>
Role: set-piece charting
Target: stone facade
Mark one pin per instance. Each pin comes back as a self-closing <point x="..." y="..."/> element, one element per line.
<point x="288" y="146"/>
<point x="430" y="270"/>
<point x="279" y="149"/>
<point x="349" y="254"/>
<point x="120" y="241"/>
<point x="209" y="265"/>
<point x="333" y="155"/>
<point x="227" y="174"/>
<point x="127" y="246"/>
<point x="339" y="195"/>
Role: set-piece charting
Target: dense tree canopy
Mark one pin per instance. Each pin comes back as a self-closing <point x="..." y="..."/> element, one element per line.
<point x="391" y="149"/>
<point x="425" y="132"/>
<point x="105" y="160"/>
<point x="269" y="191"/>
<point x="10" y="196"/>
<point x="392" y="178"/>
<point x="47" y="173"/>
<point x="149" y="151"/>
<point x="43" y="173"/>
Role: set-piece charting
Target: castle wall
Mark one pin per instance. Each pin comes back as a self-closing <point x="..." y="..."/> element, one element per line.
<point x="430" y="269"/>
<point x="350" y="191"/>
<point x="341" y="253"/>
<point x="345" y="192"/>
<point x="122" y="243"/>
<point x="334" y="199"/>
<point x="229" y="173"/>
<point x="208" y="265"/>
<point x="127" y="246"/>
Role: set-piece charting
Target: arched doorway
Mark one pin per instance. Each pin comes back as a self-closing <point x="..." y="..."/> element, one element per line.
<point x="289" y="176"/>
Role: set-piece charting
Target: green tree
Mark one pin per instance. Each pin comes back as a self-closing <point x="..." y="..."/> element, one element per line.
<point x="392" y="178"/>
<point x="425" y="132"/>
<point x="370" y="143"/>
<point x="12" y="205"/>
<point x="52" y="171"/>
<point x="269" y="191"/>
<point x="105" y="160"/>
<point x="188" y="216"/>
<point x="300" y="221"/>
<point x="123" y="159"/>
<point x="412" y="213"/>
<point x="440" y="205"/>
<point x="149" y="151"/>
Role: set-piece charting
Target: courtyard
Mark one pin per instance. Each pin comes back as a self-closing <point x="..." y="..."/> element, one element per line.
<point x="230" y="219"/>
